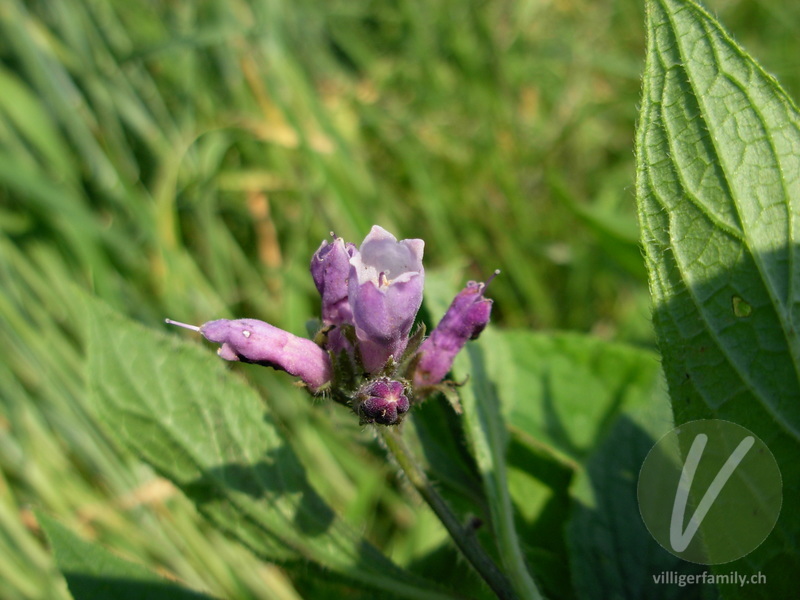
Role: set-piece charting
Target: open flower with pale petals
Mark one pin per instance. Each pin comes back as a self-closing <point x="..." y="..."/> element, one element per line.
<point x="385" y="293"/>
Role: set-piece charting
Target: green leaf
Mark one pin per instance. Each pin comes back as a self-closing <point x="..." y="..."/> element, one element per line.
<point x="538" y="405"/>
<point x="440" y="434"/>
<point x="565" y="390"/>
<point x="177" y="407"/>
<point x="718" y="192"/>
<point x="611" y="552"/>
<point x="488" y="438"/>
<point x="94" y="573"/>
<point x="567" y="399"/>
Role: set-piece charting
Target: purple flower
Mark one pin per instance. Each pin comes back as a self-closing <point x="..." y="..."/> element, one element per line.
<point x="385" y="292"/>
<point x="464" y="320"/>
<point x="252" y="341"/>
<point x="330" y="268"/>
<point x="383" y="401"/>
<point x="362" y="355"/>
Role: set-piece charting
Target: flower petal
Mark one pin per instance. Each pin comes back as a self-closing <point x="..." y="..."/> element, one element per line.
<point x="253" y="341"/>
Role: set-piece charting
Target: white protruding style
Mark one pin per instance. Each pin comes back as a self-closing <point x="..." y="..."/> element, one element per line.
<point x="184" y="325"/>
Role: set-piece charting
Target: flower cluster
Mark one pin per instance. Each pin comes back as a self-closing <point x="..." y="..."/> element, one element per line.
<point x="364" y="353"/>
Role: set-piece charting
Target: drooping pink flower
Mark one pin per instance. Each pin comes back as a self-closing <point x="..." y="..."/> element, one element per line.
<point x="252" y="341"/>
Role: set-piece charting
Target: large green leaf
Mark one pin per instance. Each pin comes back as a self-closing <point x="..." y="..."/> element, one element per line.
<point x="565" y="390"/>
<point x="94" y="573"/>
<point x="718" y="191"/>
<point x="179" y="408"/>
<point x="537" y="405"/>
<point x="611" y="552"/>
<point x="582" y="415"/>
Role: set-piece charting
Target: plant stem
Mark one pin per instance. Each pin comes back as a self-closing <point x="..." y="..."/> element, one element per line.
<point x="464" y="537"/>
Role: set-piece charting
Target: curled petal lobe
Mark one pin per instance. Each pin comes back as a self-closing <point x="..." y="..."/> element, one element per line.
<point x="384" y="261"/>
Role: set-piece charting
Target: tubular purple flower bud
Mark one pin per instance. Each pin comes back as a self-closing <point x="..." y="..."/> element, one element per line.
<point x="464" y="320"/>
<point x="382" y="401"/>
<point x="253" y="341"/>
<point x="330" y="268"/>
<point x="385" y="292"/>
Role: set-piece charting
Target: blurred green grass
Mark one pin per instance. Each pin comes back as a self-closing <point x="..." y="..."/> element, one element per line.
<point x="185" y="159"/>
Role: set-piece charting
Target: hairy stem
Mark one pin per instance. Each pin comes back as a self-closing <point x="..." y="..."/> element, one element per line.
<point x="463" y="536"/>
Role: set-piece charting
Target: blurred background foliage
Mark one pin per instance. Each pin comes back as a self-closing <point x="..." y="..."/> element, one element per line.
<point x="185" y="159"/>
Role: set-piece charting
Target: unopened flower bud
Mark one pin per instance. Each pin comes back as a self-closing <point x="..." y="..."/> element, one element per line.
<point x="385" y="292"/>
<point x="253" y="341"/>
<point x="464" y="320"/>
<point x="330" y="268"/>
<point x="382" y="401"/>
